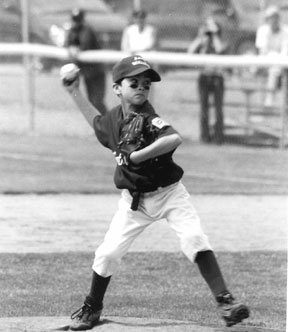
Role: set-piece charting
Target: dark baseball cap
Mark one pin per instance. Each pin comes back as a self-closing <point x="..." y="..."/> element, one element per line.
<point x="132" y="66"/>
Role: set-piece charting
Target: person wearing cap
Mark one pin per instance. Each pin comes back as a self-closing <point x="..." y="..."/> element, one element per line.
<point x="81" y="37"/>
<point x="272" y="40"/>
<point x="210" y="80"/>
<point x="162" y="194"/>
<point x="139" y="36"/>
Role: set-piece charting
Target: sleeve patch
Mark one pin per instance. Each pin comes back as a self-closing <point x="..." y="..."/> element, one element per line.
<point x="159" y="123"/>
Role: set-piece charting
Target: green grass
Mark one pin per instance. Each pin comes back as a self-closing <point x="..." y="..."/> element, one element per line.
<point x="160" y="285"/>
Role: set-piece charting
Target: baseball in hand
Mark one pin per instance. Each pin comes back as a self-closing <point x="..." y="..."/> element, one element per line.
<point x="69" y="73"/>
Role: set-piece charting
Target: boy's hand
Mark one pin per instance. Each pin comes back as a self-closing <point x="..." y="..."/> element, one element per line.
<point x="69" y="75"/>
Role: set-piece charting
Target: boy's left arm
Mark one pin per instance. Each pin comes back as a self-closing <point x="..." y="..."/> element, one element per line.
<point x="159" y="147"/>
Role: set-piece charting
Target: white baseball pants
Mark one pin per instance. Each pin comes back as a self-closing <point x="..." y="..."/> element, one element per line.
<point x="171" y="203"/>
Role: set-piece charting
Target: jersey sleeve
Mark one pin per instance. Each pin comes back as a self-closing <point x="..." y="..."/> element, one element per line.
<point x="161" y="126"/>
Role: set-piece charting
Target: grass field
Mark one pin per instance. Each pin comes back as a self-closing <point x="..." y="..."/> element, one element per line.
<point x="61" y="155"/>
<point x="158" y="285"/>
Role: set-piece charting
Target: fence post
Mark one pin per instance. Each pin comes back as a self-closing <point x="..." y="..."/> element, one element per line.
<point x="284" y="109"/>
<point x="28" y="64"/>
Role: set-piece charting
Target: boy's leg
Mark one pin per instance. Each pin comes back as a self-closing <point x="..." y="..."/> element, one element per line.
<point x="126" y="225"/>
<point x="98" y="289"/>
<point x="195" y="245"/>
<point x="89" y="314"/>
<point x="210" y="271"/>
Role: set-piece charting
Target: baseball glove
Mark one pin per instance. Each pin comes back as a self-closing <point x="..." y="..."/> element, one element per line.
<point x="132" y="137"/>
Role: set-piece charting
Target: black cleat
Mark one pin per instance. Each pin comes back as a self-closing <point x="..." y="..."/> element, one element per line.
<point x="85" y="318"/>
<point x="231" y="311"/>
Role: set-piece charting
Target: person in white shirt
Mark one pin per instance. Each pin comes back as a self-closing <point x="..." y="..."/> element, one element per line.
<point x="272" y="40"/>
<point x="139" y="36"/>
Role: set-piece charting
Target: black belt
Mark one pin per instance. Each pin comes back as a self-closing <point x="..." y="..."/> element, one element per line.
<point x="135" y="199"/>
<point x="137" y="194"/>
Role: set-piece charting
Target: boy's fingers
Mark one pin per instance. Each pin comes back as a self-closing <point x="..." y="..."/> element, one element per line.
<point x="69" y="74"/>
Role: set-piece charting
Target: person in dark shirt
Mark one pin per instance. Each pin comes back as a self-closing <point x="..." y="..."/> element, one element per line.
<point x="210" y="80"/>
<point x="81" y="37"/>
<point x="151" y="171"/>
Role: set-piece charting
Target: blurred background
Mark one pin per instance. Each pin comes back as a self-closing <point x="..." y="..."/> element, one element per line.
<point x="177" y="23"/>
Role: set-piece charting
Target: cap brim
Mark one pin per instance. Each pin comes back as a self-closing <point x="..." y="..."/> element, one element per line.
<point x="154" y="76"/>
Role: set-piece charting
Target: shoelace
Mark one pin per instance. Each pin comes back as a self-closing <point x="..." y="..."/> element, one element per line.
<point x="81" y="311"/>
<point x="228" y="299"/>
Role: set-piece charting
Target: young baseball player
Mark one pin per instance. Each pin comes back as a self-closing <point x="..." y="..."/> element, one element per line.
<point x="143" y="145"/>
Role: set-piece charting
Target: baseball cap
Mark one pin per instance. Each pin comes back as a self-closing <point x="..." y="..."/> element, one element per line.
<point x="132" y="66"/>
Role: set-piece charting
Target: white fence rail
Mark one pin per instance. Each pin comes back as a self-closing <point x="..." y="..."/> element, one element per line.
<point x="164" y="58"/>
<point x="161" y="58"/>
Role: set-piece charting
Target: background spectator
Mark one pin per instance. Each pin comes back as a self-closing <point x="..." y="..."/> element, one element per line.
<point x="211" y="80"/>
<point x="271" y="39"/>
<point x="139" y="36"/>
<point x="81" y="37"/>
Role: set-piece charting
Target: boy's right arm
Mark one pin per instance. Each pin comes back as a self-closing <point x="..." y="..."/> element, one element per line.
<point x="86" y="108"/>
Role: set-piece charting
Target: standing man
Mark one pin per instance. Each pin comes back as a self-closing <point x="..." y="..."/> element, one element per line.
<point x="81" y="37"/>
<point x="211" y="80"/>
<point x="272" y="39"/>
<point x="139" y="36"/>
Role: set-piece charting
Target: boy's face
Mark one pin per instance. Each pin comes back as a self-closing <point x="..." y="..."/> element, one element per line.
<point x="134" y="90"/>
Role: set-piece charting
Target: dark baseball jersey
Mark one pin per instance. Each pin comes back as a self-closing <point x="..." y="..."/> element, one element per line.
<point x="158" y="172"/>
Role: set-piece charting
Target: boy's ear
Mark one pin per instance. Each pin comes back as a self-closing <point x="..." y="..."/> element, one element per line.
<point x="116" y="89"/>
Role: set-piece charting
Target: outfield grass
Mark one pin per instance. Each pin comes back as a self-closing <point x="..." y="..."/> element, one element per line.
<point x="160" y="285"/>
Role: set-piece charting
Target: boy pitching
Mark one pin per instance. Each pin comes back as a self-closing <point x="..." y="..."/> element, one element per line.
<point x="143" y="145"/>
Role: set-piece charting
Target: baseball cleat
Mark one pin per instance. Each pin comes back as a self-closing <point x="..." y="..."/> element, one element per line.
<point x="85" y="318"/>
<point x="231" y="311"/>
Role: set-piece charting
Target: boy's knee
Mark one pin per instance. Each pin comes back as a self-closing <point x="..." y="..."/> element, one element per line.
<point x="193" y="243"/>
<point x="106" y="261"/>
<point x="105" y="265"/>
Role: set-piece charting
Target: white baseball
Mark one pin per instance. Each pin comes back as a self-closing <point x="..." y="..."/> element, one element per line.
<point x="69" y="73"/>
